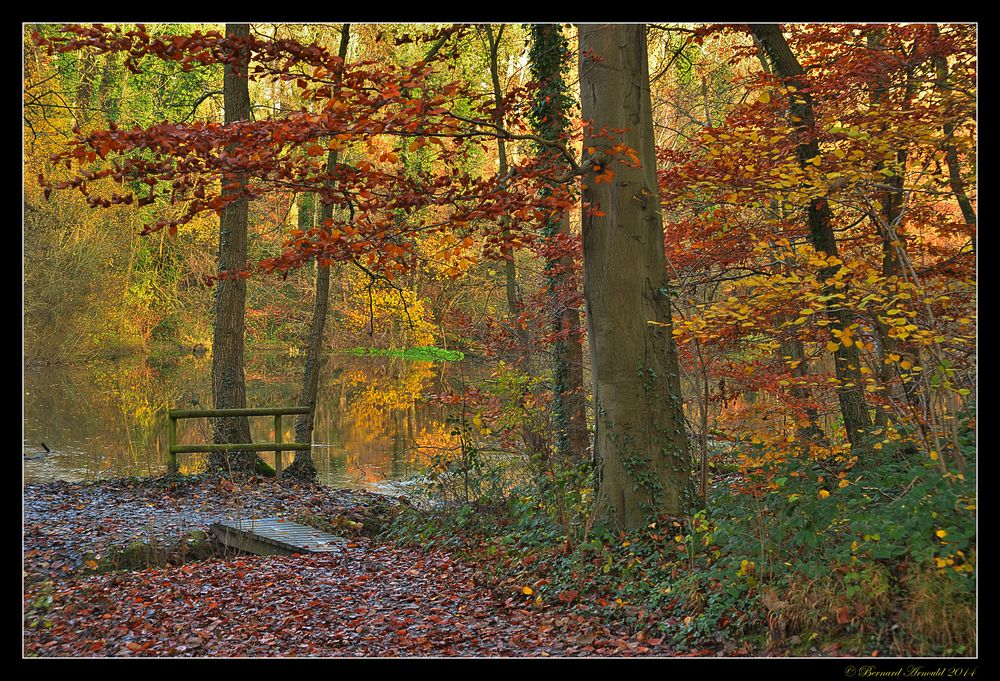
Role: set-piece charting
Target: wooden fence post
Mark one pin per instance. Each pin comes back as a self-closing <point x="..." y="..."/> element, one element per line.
<point x="277" y="441"/>
<point x="171" y="443"/>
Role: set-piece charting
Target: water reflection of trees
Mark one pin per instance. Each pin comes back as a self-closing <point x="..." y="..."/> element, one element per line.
<point x="372" y="413"/>
<point x="372" y="420"/>
<point x="102" y="419"/>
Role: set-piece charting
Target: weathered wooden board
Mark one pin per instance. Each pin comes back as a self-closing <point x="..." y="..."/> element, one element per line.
<point x="274" y="536"/>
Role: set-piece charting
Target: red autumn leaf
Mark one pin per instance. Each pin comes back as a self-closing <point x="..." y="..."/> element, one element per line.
<point x="568" y="595"/>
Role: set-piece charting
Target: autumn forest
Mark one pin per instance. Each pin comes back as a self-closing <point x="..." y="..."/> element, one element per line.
<point x="490" y="340"/>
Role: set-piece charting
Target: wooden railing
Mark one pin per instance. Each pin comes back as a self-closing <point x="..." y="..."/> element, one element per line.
<point x="277" y="446"/>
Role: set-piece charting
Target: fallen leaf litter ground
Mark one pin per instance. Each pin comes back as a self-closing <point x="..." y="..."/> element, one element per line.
<point x="368" y="599"/>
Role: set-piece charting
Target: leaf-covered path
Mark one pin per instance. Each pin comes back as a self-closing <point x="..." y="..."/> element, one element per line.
<point x="368" y="599"/>
<point x="65" y="523"/>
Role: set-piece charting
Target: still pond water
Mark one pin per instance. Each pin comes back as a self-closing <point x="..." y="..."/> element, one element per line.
<point x="374" y="426"/>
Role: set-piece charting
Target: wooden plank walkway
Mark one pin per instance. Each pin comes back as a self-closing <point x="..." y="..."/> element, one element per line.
<point x="274" y="536"/>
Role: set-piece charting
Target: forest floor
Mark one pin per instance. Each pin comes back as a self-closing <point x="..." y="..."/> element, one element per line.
<point x="125" y="567"/>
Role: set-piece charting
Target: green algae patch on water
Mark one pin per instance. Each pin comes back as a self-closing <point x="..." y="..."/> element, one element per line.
<point x="419" y="354"/>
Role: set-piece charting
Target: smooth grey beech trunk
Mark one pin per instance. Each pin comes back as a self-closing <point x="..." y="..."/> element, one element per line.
<point x="640" y="445"/>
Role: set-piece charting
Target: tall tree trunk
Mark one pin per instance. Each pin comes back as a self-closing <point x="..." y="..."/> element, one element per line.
<point x="889" y="223"/>
<point x="228" y="379"/>
<point x="510" y="269"/>
<point x="640" y="445"/>
<point x="549" y="51"/>
<point x="306" y="220"/>
<point x="808" y="429"/>
<point x="847" y="359"/>
<point x="951" y="153"/>
<point x="303" y="466"/>
<point x="792" y="347"/>
<point x="87" y="69"/>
